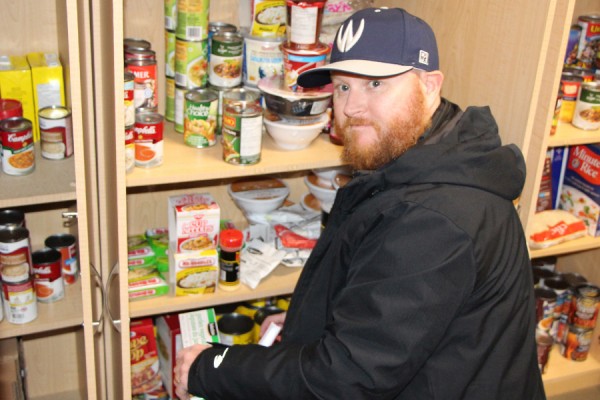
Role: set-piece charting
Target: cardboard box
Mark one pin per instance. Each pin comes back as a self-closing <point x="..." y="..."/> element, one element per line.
<point x="145" y="374"/>
<point x="168" y="338"/>
<point x="16" y="83"/>
<point x="47" y="81"/>
<point x="194" y="221"/>
<point x="199" y="327"/>
<point x="193" y="272"/>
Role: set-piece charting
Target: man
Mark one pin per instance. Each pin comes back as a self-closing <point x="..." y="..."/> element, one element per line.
<point x="420" y="286"/>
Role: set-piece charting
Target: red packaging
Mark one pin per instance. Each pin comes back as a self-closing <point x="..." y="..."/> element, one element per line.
<point x="148" y="137"/>
<point x="169" y="343"/>
<point x="47" y="275"/>
<point x="145" y="83"/>
<point x="10" y="108"/>
<point x="145" y="376"/>
<point x="67" y="246"/>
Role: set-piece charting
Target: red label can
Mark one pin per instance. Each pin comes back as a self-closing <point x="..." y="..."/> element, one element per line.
<point x="56" y="132"/>
<point x="47" y="275"/>
<point x="145" y="83"/>
<point x="66" y="244"/>
<point x="17" y="146"/>
<point x="577" y="343"/>
<point x="15" y="248"/>
<point x="149" y="144"/>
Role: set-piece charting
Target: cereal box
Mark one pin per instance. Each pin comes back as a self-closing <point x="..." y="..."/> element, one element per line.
<point x="145" y="374"/>
<point x="194" y="272"/>
<point x="15" y="83"/>
<point x="580" y="194"/>
<point x="193" y="222"/>
<point x="169" y="343"/>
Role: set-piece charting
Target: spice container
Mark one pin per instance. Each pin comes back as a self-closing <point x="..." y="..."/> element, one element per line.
<point x="230" y="241"/>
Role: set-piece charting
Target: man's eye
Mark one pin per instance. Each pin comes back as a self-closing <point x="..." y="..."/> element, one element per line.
<point x="375" y="83"/>
<point x="343" y="88"/>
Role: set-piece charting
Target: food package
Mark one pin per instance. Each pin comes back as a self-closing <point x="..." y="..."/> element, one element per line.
<point x="168" y="337"/>
<point x="268" y="18"/>
<point x="15" y="83"/>
<point x="199" y="327"/>
<point x="146" y="282"/>
<point x="145" y="374"/>
<point x="194" y="272"/>
<point x="551" y="227"/>
<point x="580" y="193"/>
<point x="194" y="221"/>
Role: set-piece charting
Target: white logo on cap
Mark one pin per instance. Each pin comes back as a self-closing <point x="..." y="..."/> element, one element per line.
<point x="346" y="40"/>
<point x="423" y="57"/>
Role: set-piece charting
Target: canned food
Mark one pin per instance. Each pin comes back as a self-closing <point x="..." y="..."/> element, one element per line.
<point x="129" y="148"/>
<point x="200" y="118"/>
<point x="136" y="43"/>
<point x="56" y="132"/>
<point x="304" y="23"/>
<point x="215" y="27"/>
<point x="586" y="74"/>
<point x="569" y="86"/>
<point x="236" y="329"/>
<point x="148" y="139"/>
<point x="12" y="219"/>
<point x="263" y="58"/>
<point x="170" y="99"/>
<point x="544" y="344"/>
<point x="191" y="63"/>
<point x="261" y="315"/>
<point x="18" y="154"/>
<point x="10" y="108"/>
<point x="170" y="15"/>
<point x="145" y="83"/>
<point x="545" y="302"/>
<point x="587" y="50"/>
<point x="128" y="98"/>
<point x="192" y="19"/>
<point x="47" y="275"/>
<point x="19" y="298"/>
<point x="297" y="61"/>
<point x="587" y="108"/>
<point x="242" y="127"/>
<point x="219" y="91"/>
<point x="66" y="244"/>
<point x="577" y="344"/>
<point x="179" y="106"/>
<point x="226" y="59"/>
<point x="15" y="248"/>
<point x="170" y="41"/>
<point x="585" y="306"/>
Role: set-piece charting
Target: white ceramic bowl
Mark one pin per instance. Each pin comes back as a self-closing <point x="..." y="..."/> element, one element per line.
<point x="258" y="196"/>
<point x="293" y="135"/>
<point x="326" y="175"/>
<point x="324" y="193"/>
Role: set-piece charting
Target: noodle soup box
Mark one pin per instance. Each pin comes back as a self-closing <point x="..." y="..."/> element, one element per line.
<point x="193" y="222"/>
<point x="580" y="193"/>
<point x="193" y="272"/>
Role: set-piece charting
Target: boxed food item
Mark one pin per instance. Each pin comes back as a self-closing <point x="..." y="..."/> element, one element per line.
<point x="168" y="337"/>
<point x="194" y="272"/>
<point x="193" y="222"/>
<point x="15" y="83"/>
<point x="580" y="193"/>
<point x="144" y="283"/>
<point x="199" y="327"/>
<point x="145" y="374"/>
<point x="47" y="81"/>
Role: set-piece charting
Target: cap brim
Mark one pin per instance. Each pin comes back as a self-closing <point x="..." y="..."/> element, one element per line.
<point x="320" y="76"/>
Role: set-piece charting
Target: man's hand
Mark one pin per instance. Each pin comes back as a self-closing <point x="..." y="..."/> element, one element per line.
<point x="278" y="319"/>
<point x="185" y="358"/>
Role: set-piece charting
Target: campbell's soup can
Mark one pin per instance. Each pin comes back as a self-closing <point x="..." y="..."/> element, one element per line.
<point x="129" y="148"/>
<point x="129" y="98"/>
<point x="191" y="63"/>
<point x="145" y="82"/>
<point x="18" y="153"/>
<point x="18" y="294"/>
<point x="15" y="247"/>
<point x="192" y="19"/>
<point x="587" y="108"/>
<point x="66" y="244"/>
<point x="10" y="218"/>
<point x="225" y="66"/>
<point x="297" y="61"/>
<point x="56" y="132"/>
<point x="47" y="275"/>
<point x="200" y="118"/>
<point x="149" y="144"/>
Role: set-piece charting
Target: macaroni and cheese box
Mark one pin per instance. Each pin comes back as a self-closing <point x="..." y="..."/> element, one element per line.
<point x="194" y="272"/>
<point x="194" y="221"/>
<point x="15" y="83"/>
<point x="47" y="81"/>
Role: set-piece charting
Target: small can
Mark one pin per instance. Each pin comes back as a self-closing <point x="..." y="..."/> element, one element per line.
<point x="242" y="127"/>
<point x="297" y="61"/>
<point x="200" y="118"/>
<point x="18" y="153"/>
<point x="192" y="19"/>
<point x="216" y="27"/>
<point x="145" y="83"/>
<point x="170" y="99"/>
<point x="236" y="328"/>
<point x="304" y="23"/>
<point x="47" y="275"/>
<point x="148" y="138"/>
<point x="585" y="306"/>
<point x="10" y="108"/>
<point x="587" y="108"/>
<point x="15" y="247"/>
<point x="191" y="63"/>
<point x="263" y="58"/>
<point x="66" y="244"/>
<point x="170" y="41"/>
<point x="139" y="55"/>
<point x="170" y="15"/>
<point x="544" y="344"/>
<point x="128" y="98"/>
<point x="230" y="246"/>
<point x="179" y="106"/>
<point x="569" y="86"/>
<point x="129" y="148"/>
<point x="11" y="218"/>
<point x="56" y="132"/>
<point x="545" y="303"/>
<point x="220" y="91"/>
<point x="18" y="294"/>
<point x="577" y="344"/>
<point x="226" y="59"/>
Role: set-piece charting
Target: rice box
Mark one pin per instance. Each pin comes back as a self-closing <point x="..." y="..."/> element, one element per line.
<point x="194" y="272"/>
<point x="15" y="83"/>
<point x="193" y="222"/>
<point x="580" y="194"/>
<point x="145" y="374"/>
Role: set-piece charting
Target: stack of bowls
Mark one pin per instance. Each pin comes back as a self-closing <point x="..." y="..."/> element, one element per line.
<point x="323" y="185"/>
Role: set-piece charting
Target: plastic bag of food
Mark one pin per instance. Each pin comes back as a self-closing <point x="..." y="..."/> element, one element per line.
<point x="552" y="227"/>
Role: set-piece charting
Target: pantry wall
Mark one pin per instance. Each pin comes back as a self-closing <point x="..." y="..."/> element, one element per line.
<point x="507" y="55"/>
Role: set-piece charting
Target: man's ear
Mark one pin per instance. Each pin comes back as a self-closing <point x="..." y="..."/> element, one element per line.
<point x="433" y="87"/>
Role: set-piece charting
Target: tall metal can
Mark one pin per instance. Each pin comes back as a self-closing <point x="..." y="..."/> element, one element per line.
<point x="170" y="15"/>
<point x="242" y="127"/>
<point x="18" y="152"/>
<point x="587" y="107"/>
<point x="191" y="63"/>
<point x="200" y="118"/>
<point x="128" y="97"/>
<point x="170" y="41"/>
<point x="56" y="132"/>
<point x="587" y="51"/>
<point x="192" y="19"/>
<point x="225" y="67"/>
<point x="145" y="83"/>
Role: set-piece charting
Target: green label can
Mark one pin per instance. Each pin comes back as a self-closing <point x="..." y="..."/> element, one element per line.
<point x="587" y="107"/>
<point x="192" y="19"/>
<point x="170" y="15"/>
<point x="191" y="63"/>
<point x="200" y="118"/>
<point x="170" y="100"/>
<point x="242" y="133"/>
<point x="170" y="41"/>
<point x="226" y="59"/>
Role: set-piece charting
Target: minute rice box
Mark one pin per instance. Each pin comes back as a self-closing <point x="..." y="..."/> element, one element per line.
<point x="193" y="272"/>
<point x="193" y="222"/>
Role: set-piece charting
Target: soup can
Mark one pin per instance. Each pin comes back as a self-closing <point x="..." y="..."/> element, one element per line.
<point x="18" y="153"/>
<point x="18" y="294"/>
<point x="585" y="306"/>
<point x="192" y="19"/>
<point x="170" y="41"/>
<point x="236" y="328"/>
<point x="129" y="148"/>
<point x="179" y="107"/>
<point x="263" y="58"/>
<point x="200" y="118"/>
<point x="10" y="108"/>
<point x="56" y="132"/>
<point x="15" y="247"/>
<point x="47" y="275"/>
<point x="569" y="87"/>
<point x="66" y="244"/>
<point x="148" y="138"/>
<point x="11" y="218"/>
<point x="220" y="91"/>
<point x="136" y="44"/>
<point x="170" y="15"/>
<point x="128" y="98"/>
<point x="297" y="61"/>
<point x="191" y="63"/>
<point x="545" y="302"/>
<point x="226" y="59"/>
<point x="216" y="27"/>
<point x="587" y="108"/>
<point x="145" y="83"/>
<point x="577" y="344"/>
<point x="587" y="50"/>
<point x="170" y="99"/>
<point x="242" y="127"/>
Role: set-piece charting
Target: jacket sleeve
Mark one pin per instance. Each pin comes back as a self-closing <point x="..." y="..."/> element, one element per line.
<point x="403" y="287"/>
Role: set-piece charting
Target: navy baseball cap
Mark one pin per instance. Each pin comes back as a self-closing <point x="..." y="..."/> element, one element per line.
<point x="378" y="42"/>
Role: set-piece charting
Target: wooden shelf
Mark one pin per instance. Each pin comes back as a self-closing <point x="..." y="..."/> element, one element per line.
<point x="52" y="181"/>
<point x="568" y="135"/>
<point x="572" y="246"/>
<point x="564" y="376"/>
<point x="280" y="282"/>
<point x="187" y="164"/>
<point x="65" y="313"/>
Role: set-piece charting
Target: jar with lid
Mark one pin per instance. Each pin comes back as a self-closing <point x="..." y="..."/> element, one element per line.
<point x="230" y="243"/>
<point x="304" y="19"/>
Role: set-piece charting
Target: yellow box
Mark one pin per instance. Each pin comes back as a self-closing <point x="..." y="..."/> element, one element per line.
<point x="15" y="83"/>
<point x="48" y="82"/>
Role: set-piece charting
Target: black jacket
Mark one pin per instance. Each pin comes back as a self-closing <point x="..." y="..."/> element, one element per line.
<point x="419" y="288"/>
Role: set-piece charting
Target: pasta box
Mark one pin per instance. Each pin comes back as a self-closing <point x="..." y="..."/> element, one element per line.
<point x="193" y="222"/>
<point x="580" y="193"/>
